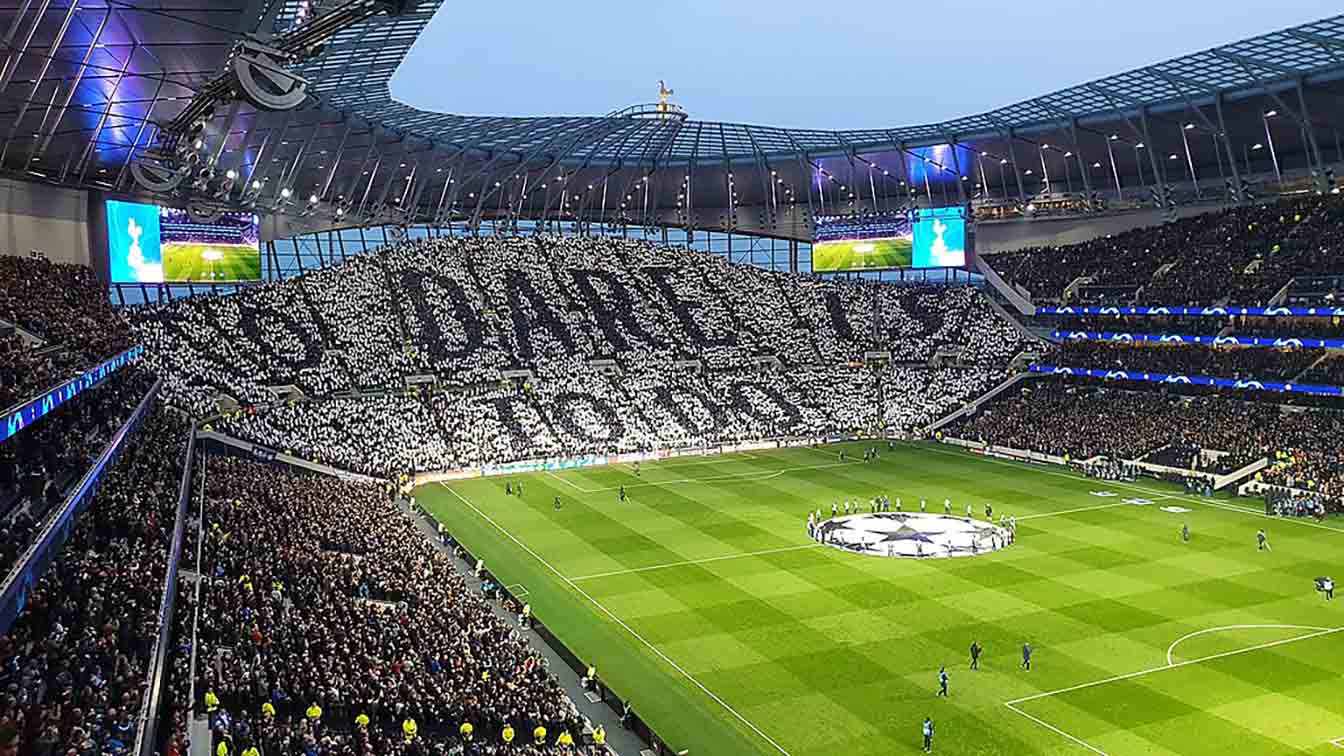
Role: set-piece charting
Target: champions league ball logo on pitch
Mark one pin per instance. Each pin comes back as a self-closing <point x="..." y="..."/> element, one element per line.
<point x="899" y="534"/>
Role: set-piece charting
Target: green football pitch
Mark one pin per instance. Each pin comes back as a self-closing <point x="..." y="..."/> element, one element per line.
<point x="863" y="254"/>
<point x="211" y="262"/>
<point x="702" y="600"/>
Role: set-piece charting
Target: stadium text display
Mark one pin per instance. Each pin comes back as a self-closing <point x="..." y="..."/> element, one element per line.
<point x="1277" y="342"/>
<point x="152" y="244"/>
<point x="931" y="238"/>
<point x="1192" y="380"/>
<point x="1206" y="312"/>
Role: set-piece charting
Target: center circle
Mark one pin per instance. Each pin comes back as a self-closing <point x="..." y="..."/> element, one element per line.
<point x="911" y="534"/>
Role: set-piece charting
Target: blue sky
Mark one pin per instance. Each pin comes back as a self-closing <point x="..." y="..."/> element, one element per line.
<point x="851" y="64"/>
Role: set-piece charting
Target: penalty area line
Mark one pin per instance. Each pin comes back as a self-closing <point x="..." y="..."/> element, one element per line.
<point x="1056" y="730"/>
<point x="1177" y="665"/>
<point x="688" y="562"/>
<point x="1013" y="704"/>
<point x="747" y="476"/>
<point x="567" y="482"/>
<point x="622" y="623"/>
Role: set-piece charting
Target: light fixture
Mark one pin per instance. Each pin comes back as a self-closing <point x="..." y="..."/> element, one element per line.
<point x="312" y="199"/>
<point x="1189" y="126"/>
<point x="231" y="174"/>
<point x="256" y="184"/>
<point x="1139" y="146"/>
<point x="1271" y="113"/>
<point x="286" y="193"/>
<point x="1257" y="146"/>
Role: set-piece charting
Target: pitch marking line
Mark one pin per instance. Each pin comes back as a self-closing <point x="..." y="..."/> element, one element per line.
<point x="1013" y="704"/>
<point x="622" y="623"/>
<point x="517" y="593"/>
<point x="569" y="483"/>
<point x="1177" y="665"/>
<point x="1208" y="630"/>
<point x="1337" y="742"/>
<point x="1092" y="508"/>
<point x="1075" y="510"/>
<point x="1057" y="731"/>
<point x="688" y="562"/>
<point x="746" y="476"/>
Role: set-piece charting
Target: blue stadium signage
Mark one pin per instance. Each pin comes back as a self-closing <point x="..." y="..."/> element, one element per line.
<point x="22" y="415"/>
<point x="1210" y="312"/>
<point x="1191" y="380"/>
<point x="1171" y="338"/>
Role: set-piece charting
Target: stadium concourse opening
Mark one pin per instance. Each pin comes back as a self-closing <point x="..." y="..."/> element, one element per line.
<point x="911" y="534"/>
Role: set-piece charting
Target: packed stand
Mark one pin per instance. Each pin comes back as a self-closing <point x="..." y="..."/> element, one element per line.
<point x="65" y="306"/>
<point x="580" y="410"/>
<point x="42" y="462"/>
<point x="468" y="310"/>
<point x="75" y="660"/>
<point x="1243" y="256"/>
<point x="913" y="399"/>
<point x="1081" y="419"/>
<point x="338" y="628"/>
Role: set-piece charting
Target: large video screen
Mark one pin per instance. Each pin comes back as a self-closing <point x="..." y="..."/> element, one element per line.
<point x="940" y="237"/>
<point x="867" y="243"/>
<point x="152" y="244"/>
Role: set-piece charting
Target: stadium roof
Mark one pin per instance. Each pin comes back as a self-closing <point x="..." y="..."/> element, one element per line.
<point x="350" y="83"/>
<point x="90" y="87"/>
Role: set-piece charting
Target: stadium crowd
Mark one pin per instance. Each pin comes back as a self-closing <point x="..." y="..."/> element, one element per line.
<point x="334" y="627"/>
<point x="1243" y="256"/>
<point x="468" y="310"/>
<point x="41" y="464"/>
<point x="583" y="411"/>
<point x="73" y="666"/>
<point x="1081" y="419"/>
<point x="68" y="308"/>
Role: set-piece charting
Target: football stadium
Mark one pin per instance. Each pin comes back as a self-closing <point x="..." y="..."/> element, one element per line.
<point x="343" y="418"/>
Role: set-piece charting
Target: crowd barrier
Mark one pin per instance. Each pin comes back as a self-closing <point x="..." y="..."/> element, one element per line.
<point x="26" y="413"/>
<point x="146" y="732"/>
<point x="23" y="577"/>
<point x="267" y="454"/>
